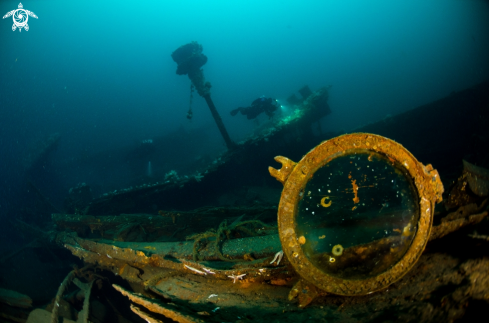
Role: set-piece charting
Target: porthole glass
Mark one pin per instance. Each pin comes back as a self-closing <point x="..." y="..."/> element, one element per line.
<point x="357" y="215"/>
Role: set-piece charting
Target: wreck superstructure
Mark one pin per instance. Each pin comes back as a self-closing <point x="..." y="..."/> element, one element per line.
<point x="183" y="256"/>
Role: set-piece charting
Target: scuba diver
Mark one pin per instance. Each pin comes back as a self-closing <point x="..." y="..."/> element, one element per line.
<point x="262" y="104"/>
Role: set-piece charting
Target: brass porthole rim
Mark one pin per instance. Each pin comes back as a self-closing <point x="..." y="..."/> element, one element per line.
<point x="297" y="181"/>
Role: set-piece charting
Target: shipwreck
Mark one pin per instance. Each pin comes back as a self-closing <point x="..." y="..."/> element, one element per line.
<point x="170" y="250"/>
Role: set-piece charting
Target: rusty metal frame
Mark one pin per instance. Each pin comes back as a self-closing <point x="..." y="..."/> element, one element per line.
<point x="294" y="177"/>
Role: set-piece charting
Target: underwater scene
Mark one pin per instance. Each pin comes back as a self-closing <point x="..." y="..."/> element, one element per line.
<point x="244" y="161"/>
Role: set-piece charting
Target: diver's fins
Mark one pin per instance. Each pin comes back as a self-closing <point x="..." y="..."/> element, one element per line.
<point x="235" y="111"/>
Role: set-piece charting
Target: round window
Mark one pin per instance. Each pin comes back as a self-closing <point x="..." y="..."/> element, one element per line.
<point x="355" y="212"/>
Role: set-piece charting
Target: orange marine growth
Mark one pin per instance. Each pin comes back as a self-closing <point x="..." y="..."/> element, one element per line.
<point x="355" y="191"/>
<point x="323" y="203"/>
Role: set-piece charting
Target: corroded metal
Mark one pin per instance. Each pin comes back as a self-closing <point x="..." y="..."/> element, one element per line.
<point x="190" y="59"/>
<point x="425" y="178"/>
<point x="170" y="311"/>
<point x="305" y="292"/>
<point x="464" y="216"/>
<point x="166" y="226"/>
<point x="130" y="260"/>
<point x="470" y="187"/>
<point x="282" y="174"/>
<point x="258" y="246"/>
<point x="478" y="178"/>
<point x="288" y="133"/>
